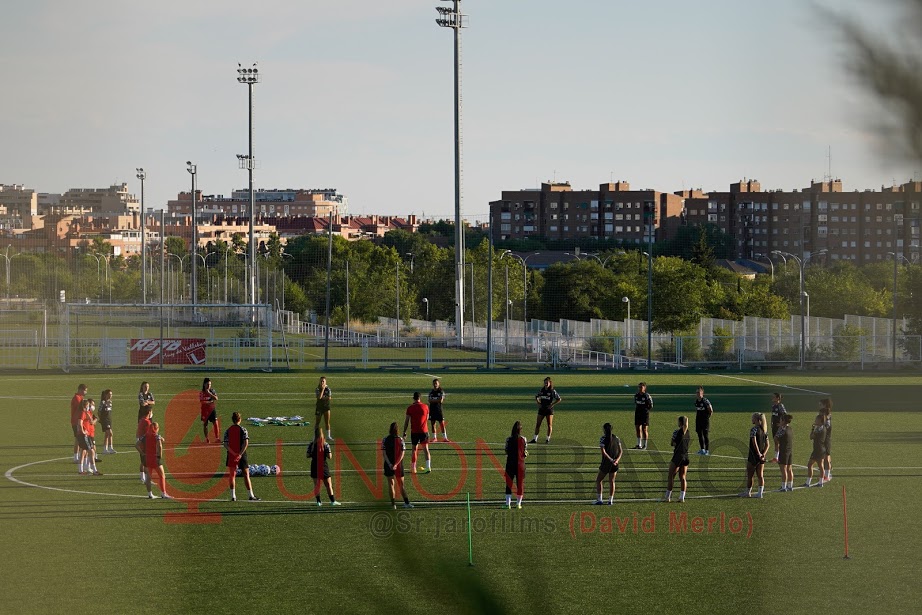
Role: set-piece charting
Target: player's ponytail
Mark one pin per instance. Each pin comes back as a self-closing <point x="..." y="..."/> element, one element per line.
<point x="607" y="429"/>
<point x="763" y="425"/>
<point x="683" y="424"/>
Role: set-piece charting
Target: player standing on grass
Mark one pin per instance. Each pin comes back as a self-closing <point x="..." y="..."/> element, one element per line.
<point x="611" y="456"/>
<point x="516" y="452"/>
<point x="679" y="462"/>
<point x="758" y="448"/>
<point x="319" y="453"/>
<point x="105" y="419"/>
<point x="145" y="399"/>
<point x="322" y="408"/>
<point x="436" y="417"/>
<point x="703" y="412"/>
<point x="643" y="404"/>
<point x="236" y="441"/>
<point x="785" y="436"/>
<point x="417" y="417"/>
<point x="88" y="444"/>
<point x="144" y="422"/>
<point x="547" y="398"/>
<point x="826" y="411"/>
<point x="76" y="411"/>
<point x="778" y="411"/>
<point x="207" y="400"/>
<point x="151" y="448"/>
<point x="818" y="456"/>
<point x="393" y="447"/>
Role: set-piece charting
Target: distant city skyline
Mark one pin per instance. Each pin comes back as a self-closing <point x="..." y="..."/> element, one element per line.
<point x="357" y="96"/>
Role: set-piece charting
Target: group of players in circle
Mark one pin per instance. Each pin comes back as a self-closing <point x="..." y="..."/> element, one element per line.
<point x="419" y="416"/>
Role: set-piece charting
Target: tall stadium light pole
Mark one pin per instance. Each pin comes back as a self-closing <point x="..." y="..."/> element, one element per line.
<point x="452" y="18"/>
<point x="490" y="294"/>
<point x="508" y="303"/>
<point x="193" y="171"/>
<point x="250" y="76"/>
<point x="142" y="176"/>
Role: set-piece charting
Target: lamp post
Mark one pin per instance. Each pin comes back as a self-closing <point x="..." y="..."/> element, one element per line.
<point x="142" y="175"/>
<point x="649" y="309"/>
<point x="250" y="76"/>
<point x="412" y="258"/>
<point x="397" y="325"/>
<point x="473" y="317"/>
<point x="801" y="262"/>
<point x="896" y="262"/>
<point x="179" y="258"/>
<point x="524" y="262"/>
<point x="426" y="303"/>
<point x="6" y="255"/>
<point x="227" y="249"/>
<point x="452" y="18"/>
<point x="193" y="171"/>
<point x="769" y="261"/>
<point x="627" y="300"/>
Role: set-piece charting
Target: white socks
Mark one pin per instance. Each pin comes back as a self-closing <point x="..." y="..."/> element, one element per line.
<point x="668" y="494"/>
<point x="429" y="463"/>
<point x="681" y="496"/>
<point x="508" y="500"/>
<point x="519" y="501"/>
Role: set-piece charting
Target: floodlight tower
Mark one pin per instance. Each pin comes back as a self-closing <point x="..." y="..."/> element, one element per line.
<point x="142" y="175"/>
<point x="250" y="76"/>
<point x="452" y="18"/>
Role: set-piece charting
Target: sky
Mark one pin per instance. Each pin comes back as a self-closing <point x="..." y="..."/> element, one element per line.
<point x="357" y="95"/>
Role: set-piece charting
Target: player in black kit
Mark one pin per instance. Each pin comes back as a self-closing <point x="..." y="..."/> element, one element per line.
<point x="679" y="462"/>
<point x="703" y="412"/>
<point x="778" y="411"/>
<point x="643" y="403"/>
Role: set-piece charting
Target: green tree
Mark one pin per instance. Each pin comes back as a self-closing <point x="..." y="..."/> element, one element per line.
<point x="678" y="294"/>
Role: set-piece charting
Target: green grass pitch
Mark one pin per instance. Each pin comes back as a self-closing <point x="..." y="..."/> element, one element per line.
<point x="83" y="544"/>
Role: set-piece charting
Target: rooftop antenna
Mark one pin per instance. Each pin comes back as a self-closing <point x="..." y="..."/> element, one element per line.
<point x="828" y="163"/>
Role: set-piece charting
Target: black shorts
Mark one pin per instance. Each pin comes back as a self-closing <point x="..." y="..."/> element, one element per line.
<point x="90" y="442"/>
<point x="828" y="445"/>
<point x="243" y="464"/>
<point x="326" y="469"/>
<point x="607" y="467"/>
<point x="680" y="462"/>
<point x="389" y="471"/>
<point x="157" y="463"/>
<point x="83" y="442"/>
<point x="786" y="458"/>
<point x="755" y="461"/>
<point x="419" y="438"/>
<point x="211" y="418"/>
<point x="545" y="411"/>
<point x="776" y="424"/>
<point x="702" y="423"/>
<point x="818" y="457"/>
<point x="107" y="425"/>
<point x="641" y="417"/>
<point x="77" y="432"/>
<point x="435" y="414"/>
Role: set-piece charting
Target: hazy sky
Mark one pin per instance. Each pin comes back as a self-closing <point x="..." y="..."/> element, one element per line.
<point x="357" y="95"/>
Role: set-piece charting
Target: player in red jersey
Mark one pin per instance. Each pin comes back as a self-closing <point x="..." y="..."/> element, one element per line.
<point x="76" y="412"/>
<point x="207" y="398"/>
<point x="237" y="441"/>
<point x="151" y="448"/>
<point x="417" y="418"/>
<point x="144" y="423"/>
<point x="88" y="426"/>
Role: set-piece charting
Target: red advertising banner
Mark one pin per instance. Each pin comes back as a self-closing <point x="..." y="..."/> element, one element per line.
<point x="176" y="351"/>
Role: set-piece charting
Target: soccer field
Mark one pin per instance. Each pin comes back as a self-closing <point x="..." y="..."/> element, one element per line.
<point x="91" y="544"/>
